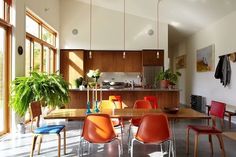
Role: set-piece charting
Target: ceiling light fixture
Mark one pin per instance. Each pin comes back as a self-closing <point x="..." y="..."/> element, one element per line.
<point x="124" y="32"/>
<point x="90" y="42"/>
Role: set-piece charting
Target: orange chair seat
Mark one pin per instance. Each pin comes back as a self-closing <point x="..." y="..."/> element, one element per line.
<point x="204" y="129"/>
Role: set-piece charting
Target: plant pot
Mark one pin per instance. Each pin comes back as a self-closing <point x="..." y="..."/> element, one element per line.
<point x="164" y="83"/>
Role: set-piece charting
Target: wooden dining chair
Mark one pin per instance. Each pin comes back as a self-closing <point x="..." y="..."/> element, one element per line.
<point x="98" y="129"/>
<point x="217" y="111"/>
<point x="154" y="134"/>
<point x="35" y="112"/>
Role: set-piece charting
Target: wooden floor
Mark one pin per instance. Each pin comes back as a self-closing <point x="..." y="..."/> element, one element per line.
<point x="18" y="145"/>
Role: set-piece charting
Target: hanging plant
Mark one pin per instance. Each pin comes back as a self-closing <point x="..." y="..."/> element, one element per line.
<point x="51" y="89"/>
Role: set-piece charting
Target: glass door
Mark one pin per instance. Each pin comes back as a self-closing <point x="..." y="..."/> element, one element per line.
<point x="3" y="112"/>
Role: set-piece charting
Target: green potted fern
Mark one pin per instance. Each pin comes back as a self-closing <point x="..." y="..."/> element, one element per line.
<point x="51" y="89"/>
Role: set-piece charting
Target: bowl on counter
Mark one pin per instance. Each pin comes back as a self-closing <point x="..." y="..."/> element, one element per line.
<point x="170" y="110"/>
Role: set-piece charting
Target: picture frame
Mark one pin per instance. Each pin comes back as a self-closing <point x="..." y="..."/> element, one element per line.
<point x="205" y="59"/>
<point x="180" y="62"/>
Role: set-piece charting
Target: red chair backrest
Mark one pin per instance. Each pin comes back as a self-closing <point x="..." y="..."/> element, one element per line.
<point x="154" y="128"/>
<point x="217" y="109"/>
<point x="98" y="128"/>
<point x="140" y="104"/>
<point x="153" y="100"/>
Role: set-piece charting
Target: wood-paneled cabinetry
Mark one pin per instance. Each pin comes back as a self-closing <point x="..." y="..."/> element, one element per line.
<point x="72" y="65"/>
<point x="133" y="62"/>
<point x="114" y="61"/>
<point x="153" y="57"/>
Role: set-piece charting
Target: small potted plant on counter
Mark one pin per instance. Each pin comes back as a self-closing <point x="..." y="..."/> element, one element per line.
<point x="167" y="78"/>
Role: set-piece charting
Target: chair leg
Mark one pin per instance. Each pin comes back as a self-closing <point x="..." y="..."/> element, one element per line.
<point x="187" y="140"/>
<point x="80" y="147"/>
<point x="59" y="145"/>
<point x="132" y="147"/>
<point x="211" y="144"/>
<point x="120" y="147"/>
<point x="64" y="141"/>
<point x="196" y="145"/>
<point x="129" y="130"/>
<point x="169" y="148"/>
<point x="40" y="142"/>
<point x="221" y="144"/>
<point x="33" y="145"/>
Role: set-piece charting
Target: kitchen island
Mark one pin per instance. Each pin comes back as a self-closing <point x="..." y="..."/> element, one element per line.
<point x="166" y="97"/>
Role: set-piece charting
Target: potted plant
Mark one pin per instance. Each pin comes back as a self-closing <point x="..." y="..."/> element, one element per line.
<point x="167" y="78"/>
<point x="51" y="89"/>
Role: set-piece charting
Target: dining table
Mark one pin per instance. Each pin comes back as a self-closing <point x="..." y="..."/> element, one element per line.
<point x="128" y="113"/>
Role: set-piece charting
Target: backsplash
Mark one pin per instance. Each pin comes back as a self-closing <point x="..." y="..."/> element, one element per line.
<point x="120" y="77"/>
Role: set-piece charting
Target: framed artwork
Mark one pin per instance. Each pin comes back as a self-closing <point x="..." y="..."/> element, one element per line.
<point x="180" y="62"/>
<point x="205" y="59"/>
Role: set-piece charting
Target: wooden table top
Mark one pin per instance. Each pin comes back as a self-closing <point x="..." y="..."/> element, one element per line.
<point x="184" y="113"/>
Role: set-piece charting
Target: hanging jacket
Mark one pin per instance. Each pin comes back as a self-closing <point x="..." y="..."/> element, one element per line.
<point x="223" y="70"/>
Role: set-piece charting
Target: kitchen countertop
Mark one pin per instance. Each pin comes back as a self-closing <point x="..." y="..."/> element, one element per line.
<point x="128" y="89"/>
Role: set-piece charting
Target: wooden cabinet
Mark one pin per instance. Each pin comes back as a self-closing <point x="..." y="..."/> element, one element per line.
<point x="151" y="57"/>
<point x="72" y="65"/>
<point x="114" y="61"/>
<point x="133" y="62"/>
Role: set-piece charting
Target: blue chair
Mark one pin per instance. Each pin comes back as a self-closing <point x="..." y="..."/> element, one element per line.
<point x="35" y="112"/>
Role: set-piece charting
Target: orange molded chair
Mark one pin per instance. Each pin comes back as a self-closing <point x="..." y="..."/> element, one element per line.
<point x="153" y="100"/>
<point x="154" y="134"/>
<point x="217" y="111"/>
<point x="98" y="129"/>
<point x="139" y="104"/>
<point x="116" y="98"/>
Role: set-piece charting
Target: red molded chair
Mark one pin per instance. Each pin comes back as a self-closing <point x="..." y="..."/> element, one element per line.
<point x="154" y="134"/>
<point x="217" y="111"/>
<point x="139" y="104"/>
<point x="98" y="129"/>
<point x="153" y="100"/>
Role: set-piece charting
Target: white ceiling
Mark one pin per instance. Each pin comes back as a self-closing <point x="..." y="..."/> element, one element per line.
<point x="184" y="16"/>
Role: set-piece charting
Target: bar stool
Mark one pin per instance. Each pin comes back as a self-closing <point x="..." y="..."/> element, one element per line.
<point x="153" y="100"/>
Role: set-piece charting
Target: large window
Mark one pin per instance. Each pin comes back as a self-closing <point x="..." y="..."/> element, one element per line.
<point x="5" y="10"/>
<point x="40" y="46"/>
<point x="5" y="33"/>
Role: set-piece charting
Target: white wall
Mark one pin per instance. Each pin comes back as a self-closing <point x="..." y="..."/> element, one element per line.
<point x="222" y="34"/>
<point x="18" y="35"/>
<point x="108" y="28"/>
<point x="177" y="51"/>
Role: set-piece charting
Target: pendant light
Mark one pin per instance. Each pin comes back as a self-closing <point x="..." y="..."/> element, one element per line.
<point x="124" y="32"/>
<point x="90" y="38"/>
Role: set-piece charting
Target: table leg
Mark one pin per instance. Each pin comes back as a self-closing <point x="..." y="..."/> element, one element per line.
<point x="173" y="136"/>
<point x="229" y="121"/>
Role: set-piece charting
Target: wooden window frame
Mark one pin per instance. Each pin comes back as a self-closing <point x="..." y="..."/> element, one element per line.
<point x="7" y="76"/>
<point x="43" y="43"/>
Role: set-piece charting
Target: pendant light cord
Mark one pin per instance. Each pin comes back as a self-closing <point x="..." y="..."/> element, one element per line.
<point x="124" y="25"/>
<point x="158" y="27"/>
<point x="90" y="46"/>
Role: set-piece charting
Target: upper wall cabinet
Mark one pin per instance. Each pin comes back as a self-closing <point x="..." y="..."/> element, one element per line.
<point x="113" y="61"/>
<point x="153" y="57"/>
<point x="72" y="65"/>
